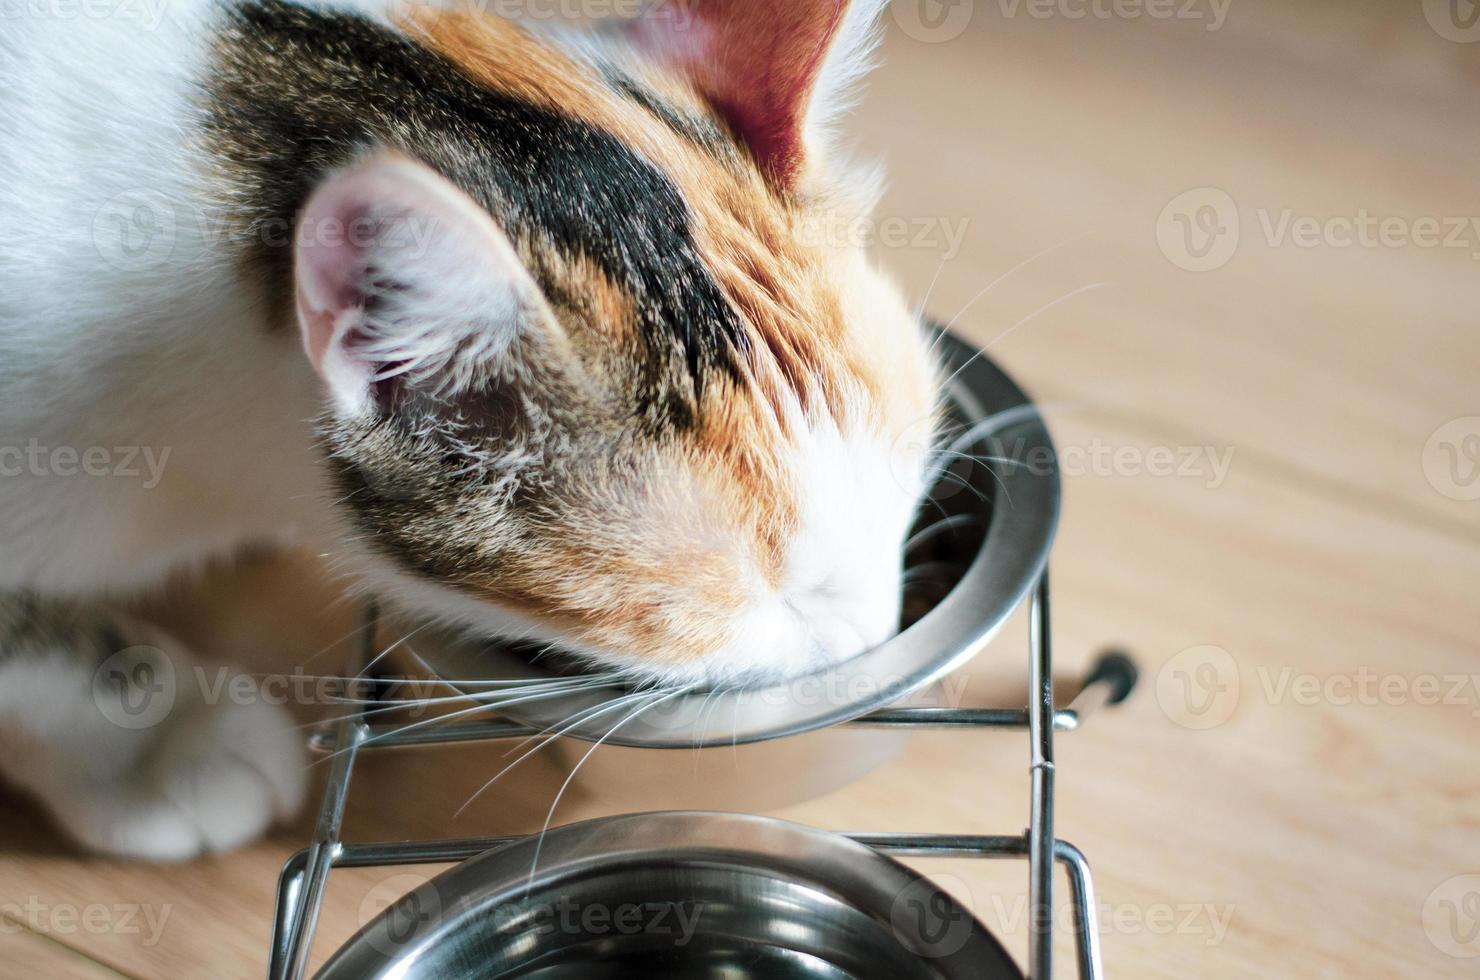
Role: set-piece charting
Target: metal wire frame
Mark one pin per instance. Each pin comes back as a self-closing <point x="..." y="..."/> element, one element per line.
<point x="304" y="877"/>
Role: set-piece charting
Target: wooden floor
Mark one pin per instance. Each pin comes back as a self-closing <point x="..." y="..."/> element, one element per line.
<point x="1295" y="789"/>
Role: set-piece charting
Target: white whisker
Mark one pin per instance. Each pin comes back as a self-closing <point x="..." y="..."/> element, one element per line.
<point x="482" y="706"/>
<point x="580" y="719"/>
<point x="1025" y="262"/>
<point x="1044" y="309"/>
<point x="387" y="651"/>
<point x="550" y="815"/>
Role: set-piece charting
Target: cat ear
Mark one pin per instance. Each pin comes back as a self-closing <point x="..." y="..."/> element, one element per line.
<point x="779" y="73"/>
<point x="402" y="278"/>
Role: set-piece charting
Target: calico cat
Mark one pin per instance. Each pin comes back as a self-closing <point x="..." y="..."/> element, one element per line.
<point x="518" y="322"/>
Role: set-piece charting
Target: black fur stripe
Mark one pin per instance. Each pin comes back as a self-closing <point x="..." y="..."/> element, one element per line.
<point x="702" y="132"/>
<point x="298" y="92"/>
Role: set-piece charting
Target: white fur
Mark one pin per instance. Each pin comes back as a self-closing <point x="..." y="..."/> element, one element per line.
<point x="840" y="594"/>
<point x="848" y="60"/>
<point x="104" y="348"/>
<point x="164" y="350"/>
<point x="190" y="774"/>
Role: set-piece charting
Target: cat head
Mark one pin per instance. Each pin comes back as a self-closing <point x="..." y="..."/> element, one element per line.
<point x="618" y="394"/>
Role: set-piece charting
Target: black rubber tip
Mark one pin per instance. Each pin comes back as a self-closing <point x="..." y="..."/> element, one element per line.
<point x="1116" y="668"/>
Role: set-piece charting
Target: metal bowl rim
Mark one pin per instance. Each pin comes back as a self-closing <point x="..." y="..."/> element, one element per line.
<point x="850" y="872"/>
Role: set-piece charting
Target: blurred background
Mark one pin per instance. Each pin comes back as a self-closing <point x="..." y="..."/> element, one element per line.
<point x="1233" y="249"/>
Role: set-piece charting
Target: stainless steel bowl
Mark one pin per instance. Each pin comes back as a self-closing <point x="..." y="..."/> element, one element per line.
<point x="1015" y="508"/>
<point x="676" y="896"/>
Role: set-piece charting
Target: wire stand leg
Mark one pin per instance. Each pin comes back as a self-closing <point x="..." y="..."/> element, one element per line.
<point x="1040" y="828"/>
<point x="1086" y="926"/>
<point x="287" y="912"/>
<point x="301" y="888"/>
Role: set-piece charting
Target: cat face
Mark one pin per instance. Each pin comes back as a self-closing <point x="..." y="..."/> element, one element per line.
<point x="606" y="387"/>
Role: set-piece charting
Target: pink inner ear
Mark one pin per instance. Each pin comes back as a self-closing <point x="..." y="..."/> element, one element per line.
<point x="756" y="62"/>
<point x="329" y="262"/>
<point x="446" y="279"/>
<point x="379" y="206"/>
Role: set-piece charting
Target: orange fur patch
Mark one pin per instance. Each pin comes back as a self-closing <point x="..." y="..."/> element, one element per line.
<point x="791" y="294"/>
<point x="746" y="230"/>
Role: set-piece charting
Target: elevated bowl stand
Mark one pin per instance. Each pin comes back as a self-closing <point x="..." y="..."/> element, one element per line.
<point x="304" y="878"/>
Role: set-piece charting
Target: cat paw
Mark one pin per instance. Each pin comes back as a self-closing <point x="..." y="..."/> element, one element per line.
<point x="218" y="778"/>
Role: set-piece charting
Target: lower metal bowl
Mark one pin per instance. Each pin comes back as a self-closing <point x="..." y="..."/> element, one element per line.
<point x="676" y="896"/>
